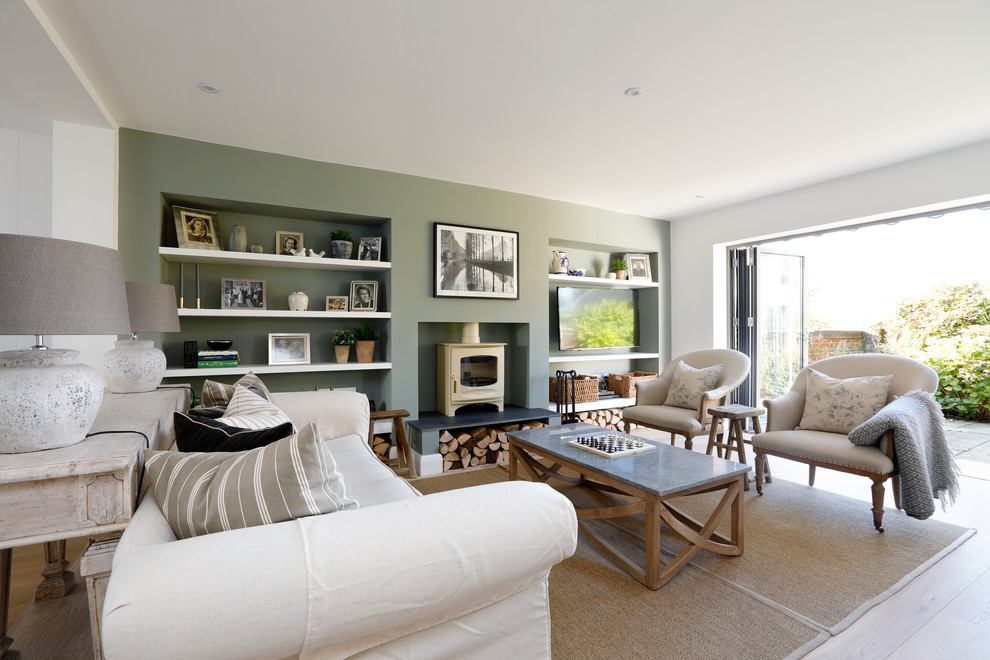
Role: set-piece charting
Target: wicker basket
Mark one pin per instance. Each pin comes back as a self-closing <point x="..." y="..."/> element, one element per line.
<point x="625" y="384"/>
<point x="585" y="389"/>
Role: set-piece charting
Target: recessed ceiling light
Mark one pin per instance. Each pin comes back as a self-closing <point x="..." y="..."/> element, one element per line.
<point x="208" y="88"/>
<point x="634" y="91"/>
<point x="699" y="196"/>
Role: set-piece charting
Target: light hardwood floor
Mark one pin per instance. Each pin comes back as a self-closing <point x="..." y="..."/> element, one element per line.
<point x="944" y="613"/>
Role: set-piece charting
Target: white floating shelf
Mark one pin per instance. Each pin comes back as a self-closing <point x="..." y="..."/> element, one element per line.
<point x="278" y="369"/>
<point x="603" y="357"/>
<point x="268" y="260"/>
<point x="602" y="282"/>
<point x="283" y="313"/>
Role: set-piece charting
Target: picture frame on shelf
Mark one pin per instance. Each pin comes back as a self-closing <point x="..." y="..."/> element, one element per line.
<point x="475" y="262"/>
<point x="370" y="248"/>
<point x="288" y="348"/>
<point x="286" y="241"/>
<point x="364" y="296"/>
<point x="241" y="293"/>
<point x="336" y="303"/>
<point x="197" y="230"/>
<point x="638" y="267"/>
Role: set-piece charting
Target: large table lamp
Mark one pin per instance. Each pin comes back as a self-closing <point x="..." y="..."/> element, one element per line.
<point x="51" y="286"/>
<point x="135" y="365"/>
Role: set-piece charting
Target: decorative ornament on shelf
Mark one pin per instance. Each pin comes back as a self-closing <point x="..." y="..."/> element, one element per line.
<point x="619" y="268"/>
<point x="316" y="255"/>
<point x="560" y="262"/>
<point x="238" y="239"/>
<point x="577" y="272"/>
<point x="52" y="286"/>
<point x="135" y="365"/>
<point x="340" y="244"/>
<point x="257" y="248"/>
<point x="342" y="341"/>
<point x="298" y="301"/>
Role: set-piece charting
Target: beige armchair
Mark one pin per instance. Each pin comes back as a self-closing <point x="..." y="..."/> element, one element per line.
<point x="653" y="407"/>
<point x="833" y="450"/>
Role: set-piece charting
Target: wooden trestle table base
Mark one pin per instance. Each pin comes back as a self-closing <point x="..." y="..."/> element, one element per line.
<point x="652" y="479"/>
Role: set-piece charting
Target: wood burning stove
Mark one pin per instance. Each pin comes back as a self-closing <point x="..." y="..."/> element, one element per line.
<point x="469" y="374"/>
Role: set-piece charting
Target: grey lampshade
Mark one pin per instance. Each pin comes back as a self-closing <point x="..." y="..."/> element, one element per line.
<point x="49" y="286"/>
<point x="152" y="307"/>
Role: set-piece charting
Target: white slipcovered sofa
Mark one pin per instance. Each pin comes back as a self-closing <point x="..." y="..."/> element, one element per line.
<point x="451" y="575"/>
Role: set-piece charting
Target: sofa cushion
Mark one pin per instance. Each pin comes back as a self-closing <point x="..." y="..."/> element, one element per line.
<point x="837" y="405"/>
<point x="689" y="384"/>
<point x="203" y="493"/>
<point x="251" y="411"/>
<point x="831" y="448"/>
<point x="206" y="434"/>
<point x="369" y="481"/>
<point x="218" y="394"/>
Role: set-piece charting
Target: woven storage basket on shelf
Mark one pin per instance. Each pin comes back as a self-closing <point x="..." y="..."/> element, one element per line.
<point x="625" y="384"/>
<point x="585" y="389"/>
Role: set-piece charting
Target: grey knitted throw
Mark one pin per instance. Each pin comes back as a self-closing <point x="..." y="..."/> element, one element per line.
<point x="921" y="449"/>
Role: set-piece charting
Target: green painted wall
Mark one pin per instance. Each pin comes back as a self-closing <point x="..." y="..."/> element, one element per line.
<point x="155" y="168"/>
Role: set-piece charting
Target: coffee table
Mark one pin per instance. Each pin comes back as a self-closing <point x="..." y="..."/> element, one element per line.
<point x="652" y="478"/>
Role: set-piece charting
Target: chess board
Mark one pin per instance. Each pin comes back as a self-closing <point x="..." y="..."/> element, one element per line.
<point x="610" y="444"/>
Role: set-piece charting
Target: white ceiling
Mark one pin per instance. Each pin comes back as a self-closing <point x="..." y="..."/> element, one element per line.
<point x="740" y="99"/>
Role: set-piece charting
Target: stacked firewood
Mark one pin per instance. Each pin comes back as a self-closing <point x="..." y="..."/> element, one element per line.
<point x="480" y="445"/>
<point x="381" y="446"/>
<point x="609" y="418"/>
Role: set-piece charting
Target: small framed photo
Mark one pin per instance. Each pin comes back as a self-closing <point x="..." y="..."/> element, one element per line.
<point x="196" y="229"/>
<point x="473" y="262"/>
<point x="336" y="303"/>
<point x="370" y="249"/>
<point x="287" y="241"/>
<point x="236" y="293"/>
<point x="638" y="267"/>
<point x="288" y="348"/>
<point x="364" y="296"/>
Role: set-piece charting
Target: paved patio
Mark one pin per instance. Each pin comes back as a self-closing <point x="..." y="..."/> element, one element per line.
<point x="970" y="442"/>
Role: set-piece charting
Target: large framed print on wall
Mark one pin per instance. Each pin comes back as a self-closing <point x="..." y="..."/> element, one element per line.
<point x="475" y="262"/>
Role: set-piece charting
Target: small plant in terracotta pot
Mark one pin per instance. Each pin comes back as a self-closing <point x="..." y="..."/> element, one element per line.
<point x="365" y="342"/>
<point x="619" y="268"/>
<point x="342" y="341"/>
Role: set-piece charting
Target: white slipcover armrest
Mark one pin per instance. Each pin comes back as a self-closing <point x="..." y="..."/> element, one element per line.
<point x="341" y="582"/>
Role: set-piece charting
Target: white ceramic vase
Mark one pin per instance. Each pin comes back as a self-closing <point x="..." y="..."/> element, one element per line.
<point x="298" y="301"/>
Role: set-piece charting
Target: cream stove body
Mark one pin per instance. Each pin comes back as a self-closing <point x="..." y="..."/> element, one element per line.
<point x="469" y="374"/>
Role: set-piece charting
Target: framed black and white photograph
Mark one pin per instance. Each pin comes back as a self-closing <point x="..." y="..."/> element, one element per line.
<point x="370" y="249"/>
<point x="473" y="262"/>
<point x="236" y="293"/>
<point x="287" y="241"/>
<point x="336" y="303"/>
<point x="196" y="229"/>
<point x="288" y="348"/>
<point x="364" y="296"/>
<point x="638" y="267"/>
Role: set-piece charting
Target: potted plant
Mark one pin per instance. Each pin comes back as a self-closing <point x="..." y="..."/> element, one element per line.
<point x="619" y="268"/>
<point x="340" y="244"/>
<point x="365" y="342"/>
<point x="342" y="341"/>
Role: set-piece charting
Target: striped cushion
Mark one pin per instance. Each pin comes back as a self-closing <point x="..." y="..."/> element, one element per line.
<point x="218" y="394"/>
<point x="247" y="410"/>
<point x="203" y="493"/>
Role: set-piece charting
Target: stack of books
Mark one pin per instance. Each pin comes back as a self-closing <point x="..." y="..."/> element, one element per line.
<point x="208" y="359"/>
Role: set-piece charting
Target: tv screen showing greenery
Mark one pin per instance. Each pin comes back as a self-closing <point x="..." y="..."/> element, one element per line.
<point x="597" y="318"/>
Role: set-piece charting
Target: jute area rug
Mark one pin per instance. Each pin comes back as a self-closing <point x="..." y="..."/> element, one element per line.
<point x="812" y="565"/>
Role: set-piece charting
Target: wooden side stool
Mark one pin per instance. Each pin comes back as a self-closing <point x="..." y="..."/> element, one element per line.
<point x="402" y="451"/>
<point x="734" y="441"/>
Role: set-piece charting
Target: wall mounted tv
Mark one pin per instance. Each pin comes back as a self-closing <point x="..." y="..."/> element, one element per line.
<point x="597" y="318"/>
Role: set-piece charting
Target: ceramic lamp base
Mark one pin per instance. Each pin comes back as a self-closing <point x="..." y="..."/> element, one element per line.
<point x="134" y="365"/>
<point x="47" y="399"/>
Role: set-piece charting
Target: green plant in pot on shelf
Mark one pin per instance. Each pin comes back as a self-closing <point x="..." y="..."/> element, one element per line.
<point x="365" y="338"/>
<point x="342" y="341"/>
<point x="618" y="267"/>
<point x="340" y="244"/>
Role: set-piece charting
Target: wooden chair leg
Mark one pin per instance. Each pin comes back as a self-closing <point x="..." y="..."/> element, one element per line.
<point x="811" y="475"/>
<point x="688" y="444"/>
<point x="895" y="483"/>
<point x="760" y="460"/>
<point x="877" y="489"/>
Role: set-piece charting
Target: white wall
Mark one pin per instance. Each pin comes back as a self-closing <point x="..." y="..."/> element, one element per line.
<point x="25" y="194"/>
<point x="62" y="186"/>
<point x="698" y="274"/>
<point x="83" y="207"/>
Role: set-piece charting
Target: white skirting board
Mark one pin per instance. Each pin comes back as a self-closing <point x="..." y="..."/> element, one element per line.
<point x="429" y="465"/>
